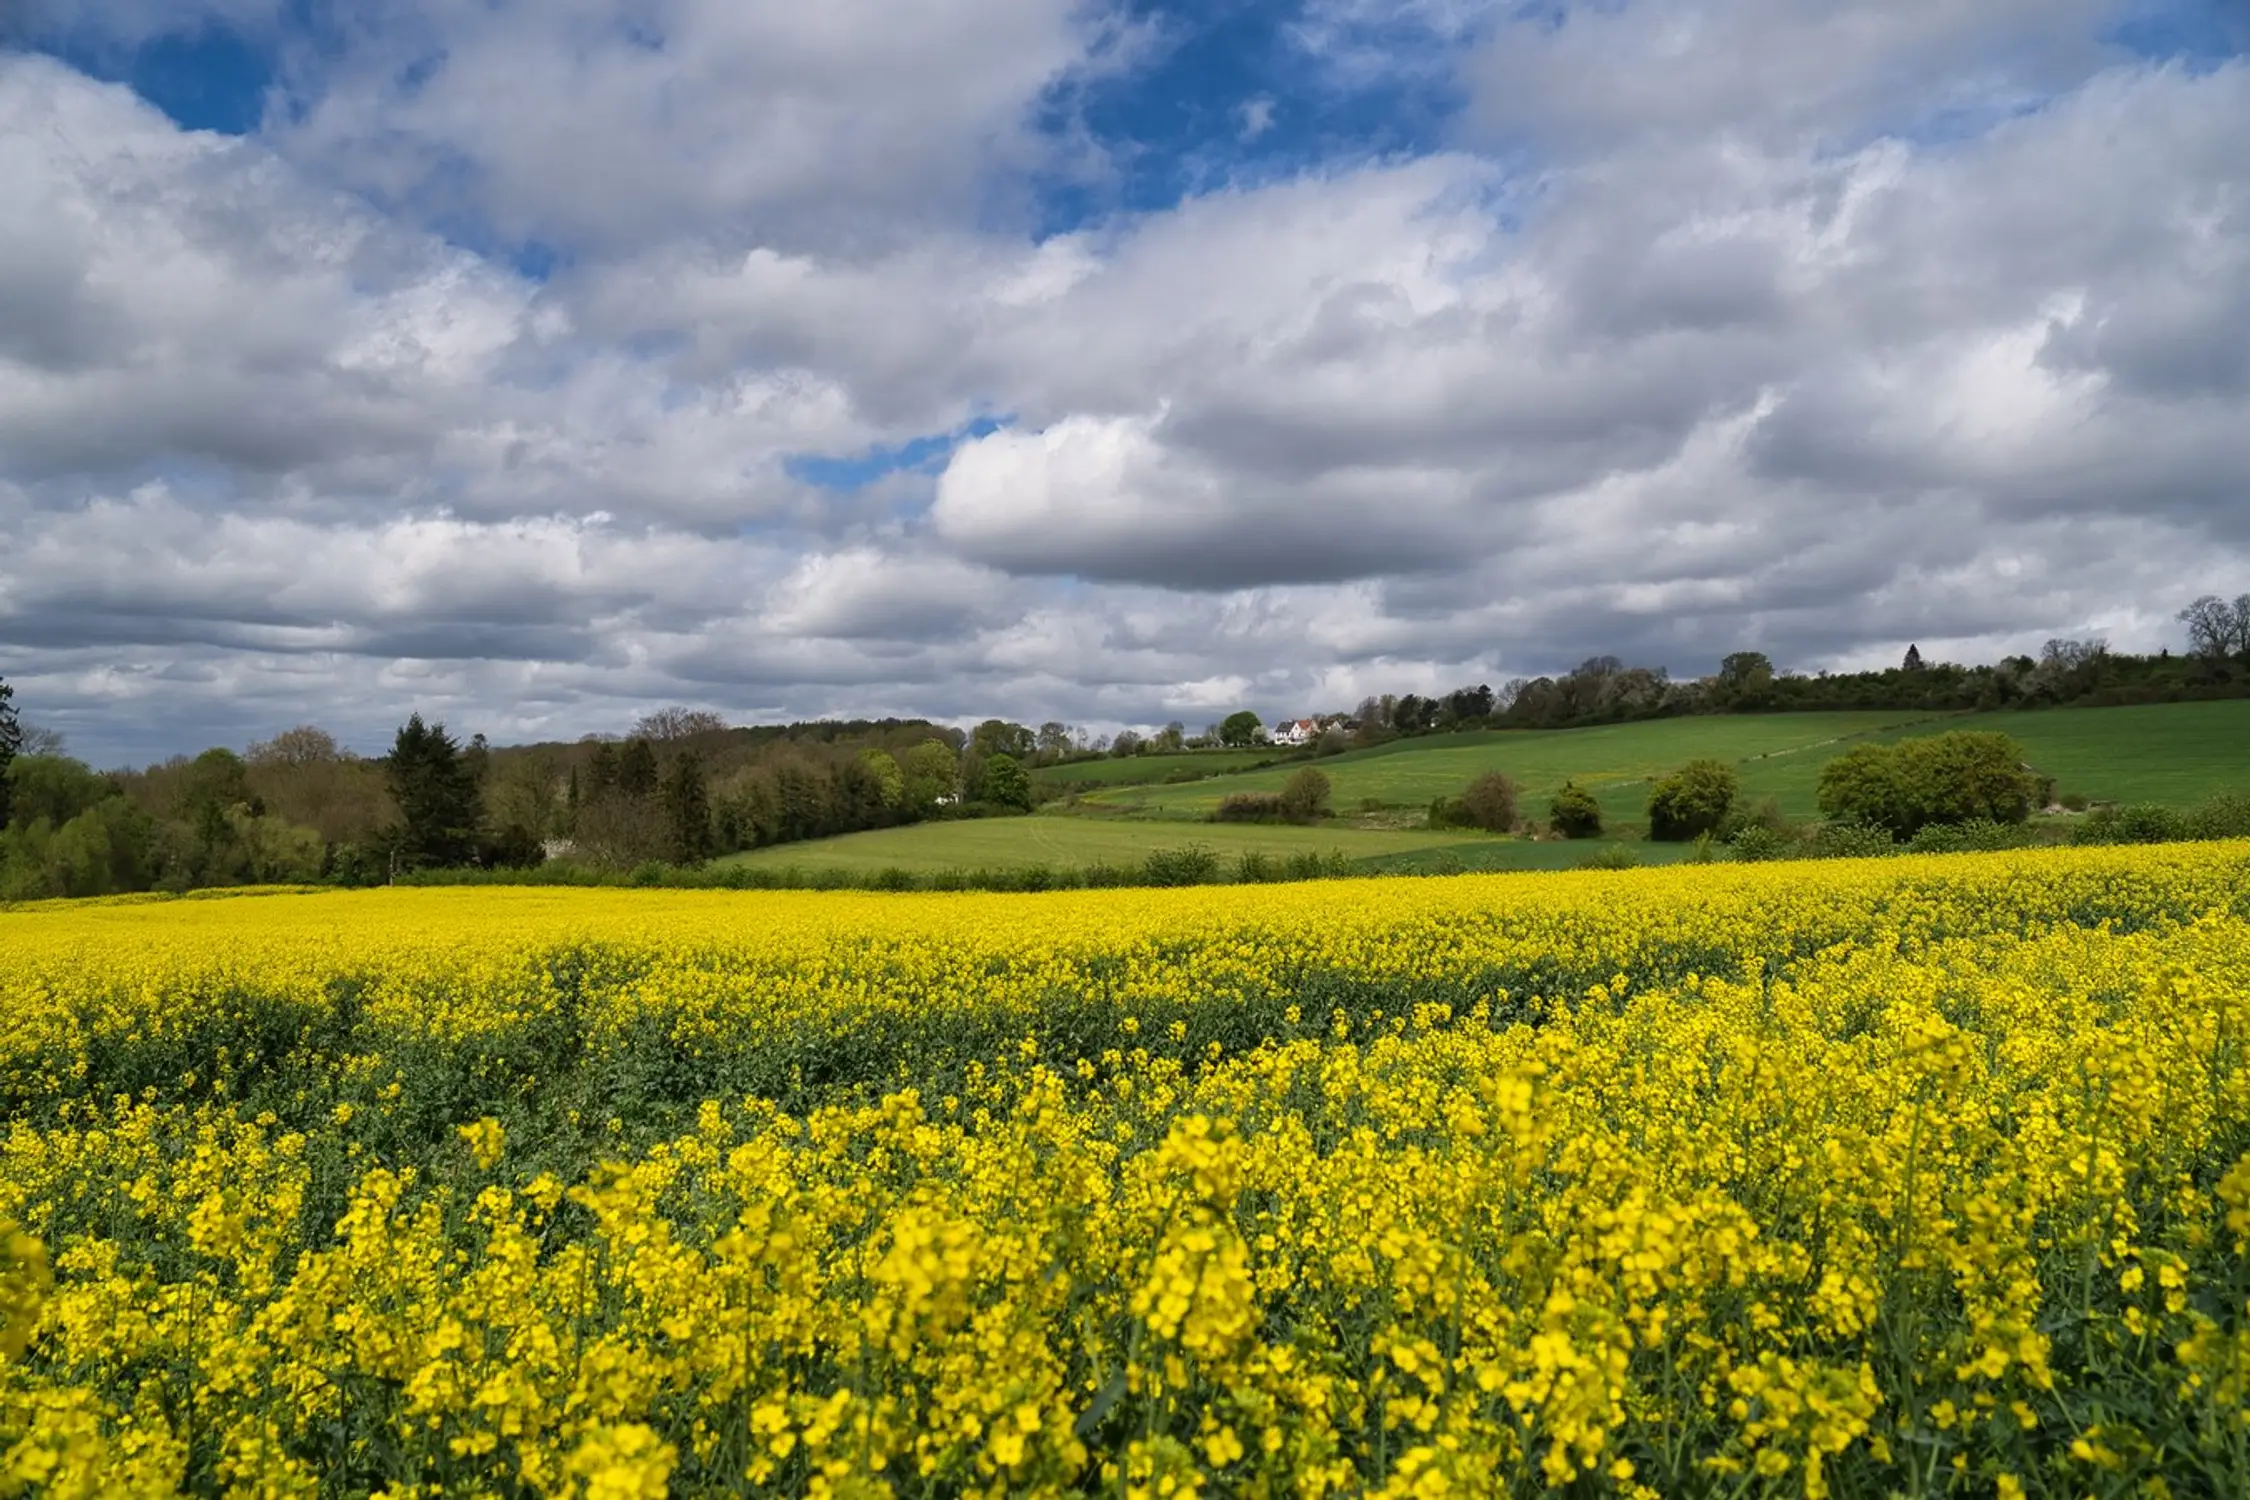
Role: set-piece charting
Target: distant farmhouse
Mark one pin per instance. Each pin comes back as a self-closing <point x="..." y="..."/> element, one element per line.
<point x="1296" y="731"/>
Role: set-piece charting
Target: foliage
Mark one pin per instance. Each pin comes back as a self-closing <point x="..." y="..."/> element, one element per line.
<point x="678" y="723"/>
<point x="1644" y="1183"/>
<point x="1001" y="737"/>
<point x="439" y="803"/>
<point x="1575" y="812"/>
<point x="930" y="771"/>
<point x="1488" y="802"/>
<point x="687" y="810"/>
<point x="1691" y="801"/>
<point x="1249" y="807"/>
<point x="1961" y="777"/>
<point x="1240" y="728"/>
<point x="1304" y="796"/>
<point x="1007" y="783"/>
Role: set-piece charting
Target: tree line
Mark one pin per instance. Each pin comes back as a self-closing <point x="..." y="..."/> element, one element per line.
<point x="682" y="788"/>
<point x="1606" y="690"/>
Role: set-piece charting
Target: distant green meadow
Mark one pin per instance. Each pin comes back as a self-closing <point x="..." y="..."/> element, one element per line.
<point x="2176" y="754"/>
<point x="1616" y="762"/>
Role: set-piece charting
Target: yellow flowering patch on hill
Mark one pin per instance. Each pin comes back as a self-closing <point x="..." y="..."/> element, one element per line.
<point x="1852" y="1179"/>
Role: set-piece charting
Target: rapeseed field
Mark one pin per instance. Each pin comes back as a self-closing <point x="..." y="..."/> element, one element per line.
<point x="1905" y="1177"/>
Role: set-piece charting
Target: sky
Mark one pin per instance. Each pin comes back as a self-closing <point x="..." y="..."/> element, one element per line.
<point x="531" y="364"/>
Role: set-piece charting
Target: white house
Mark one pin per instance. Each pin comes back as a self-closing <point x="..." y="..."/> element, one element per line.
<point x="1295" y="732"/>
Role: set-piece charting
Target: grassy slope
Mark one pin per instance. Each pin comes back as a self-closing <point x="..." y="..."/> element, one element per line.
<point x="1143" y="769"/>
<point x="2176" y="753"/>
<point x="995" y="843"/>
<point x="2167" y="752"/>
<point x="1615" y="761"/>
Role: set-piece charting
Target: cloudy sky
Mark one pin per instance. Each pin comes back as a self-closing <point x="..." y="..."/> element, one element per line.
<point x="536" y="362"/>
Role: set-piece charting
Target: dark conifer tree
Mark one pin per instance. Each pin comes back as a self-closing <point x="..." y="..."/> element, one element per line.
<point x="601" y="771"/>
<point x="439" y="804"/>
<point x="636" y="769"/>
<point x="687" y="810"/>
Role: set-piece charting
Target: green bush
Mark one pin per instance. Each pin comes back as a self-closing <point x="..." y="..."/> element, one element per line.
<point x="1254" y="868"/>
<point x="1575" y="813"/>
<point x="1756" y="843"/>
<point x="2226" y="816"/>
<point x="1849" y="840"/>
<point x="1489" y="803"/>
<point x="1609" y="857"/>
<point x="1191" y="864"/>
<point x="1249" y="807"/>
<point x="1304" y="797"/>
<point x="1954" y="778"/>
<point x="1692" y="800"/>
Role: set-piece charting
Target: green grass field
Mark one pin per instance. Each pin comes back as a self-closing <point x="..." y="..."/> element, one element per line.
<point x="1139" y="770"/>
<point x="1614" y="761"/>
<point x="1011" y="843"/>
<point x="2175" y="753"/>
<point x="2170" y="752"/>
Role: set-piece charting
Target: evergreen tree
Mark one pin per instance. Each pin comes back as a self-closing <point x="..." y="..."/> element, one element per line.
<point x="438" y="800"/>
<point x="687" y="810"/>
<point x="1913" y="662"/>
<point x="636" y="769"/>
<point x="11" y="739"/>
<point x="601" y="771"/>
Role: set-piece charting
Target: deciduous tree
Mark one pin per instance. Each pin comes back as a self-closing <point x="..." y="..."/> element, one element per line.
<point x="1007" y="783"/>
<point x="1240" y="728"/>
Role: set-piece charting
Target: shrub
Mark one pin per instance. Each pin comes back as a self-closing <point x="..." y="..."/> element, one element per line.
<point x="1767" y="815"/>
<point x="1863" y="787"/>
<point x="2074" y="801"/>
<point x="1611" y="857"/>
<point x="1489" y="803"/>
<point x="1960" y="777"/>
<point x="2226" y="816"/>
<point x="1575" y="813"/>
<point x="2140" y="823"/>
<point x="1756" y="843"/>
<point x="1692" y="800"/>
<point x="1852" y="841"/>
<point x="1304" y="798"/>
<point x="1249" y="807"/>
<point x="1253" y="868"/>
<point x="1191" y="864"/>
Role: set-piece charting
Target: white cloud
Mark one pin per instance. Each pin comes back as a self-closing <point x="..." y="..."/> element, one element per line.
<point x="1705" y="358"/>
<point x="616" y="125"/>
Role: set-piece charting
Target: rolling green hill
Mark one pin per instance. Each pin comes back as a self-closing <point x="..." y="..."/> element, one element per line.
<point x="2175" y="753"/>
<point x="2172" y="753"/>
<point x="1138" y="770"/>
<point x="2168" y="752"/>
<point x="1614" y="761"/>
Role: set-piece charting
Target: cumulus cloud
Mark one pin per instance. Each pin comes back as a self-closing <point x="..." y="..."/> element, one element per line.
<point x="1815" y="328"/>
<point x="608" y="125"/>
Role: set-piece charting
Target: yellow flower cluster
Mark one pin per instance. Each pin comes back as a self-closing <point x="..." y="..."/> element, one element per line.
<point x="1910" y="1176"/>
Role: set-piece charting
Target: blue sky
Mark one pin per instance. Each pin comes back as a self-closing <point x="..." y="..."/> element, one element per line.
<point x="1110" y="362"/>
